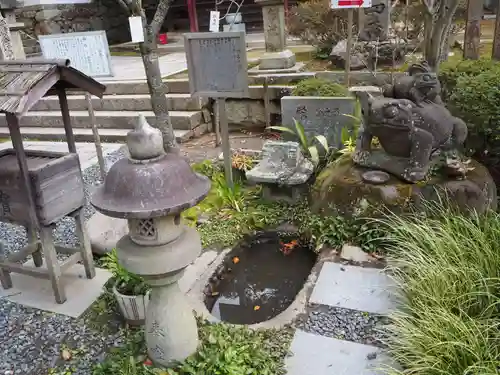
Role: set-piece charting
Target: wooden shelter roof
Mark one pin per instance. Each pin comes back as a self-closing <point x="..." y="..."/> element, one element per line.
<point x="24" y="82"/>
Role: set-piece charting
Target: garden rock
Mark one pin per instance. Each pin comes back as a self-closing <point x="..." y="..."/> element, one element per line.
<point x="105" y="231"/>
<point x="340" y="189"/>
<point x="338" y="57"/>
<point x="354" y="254"/>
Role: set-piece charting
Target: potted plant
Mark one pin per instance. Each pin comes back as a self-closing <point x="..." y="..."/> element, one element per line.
<point x="130" y="290"/>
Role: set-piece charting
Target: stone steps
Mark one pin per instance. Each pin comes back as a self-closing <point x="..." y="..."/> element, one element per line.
<point x="180" y="86"/>
<point x="126" y="102"/>
<point x="173" y="86"/>
<point x="126" y="120"/>
<point x="86" y="135"/>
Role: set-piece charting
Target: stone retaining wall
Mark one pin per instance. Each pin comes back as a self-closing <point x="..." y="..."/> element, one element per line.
<point x="54" y="19"/>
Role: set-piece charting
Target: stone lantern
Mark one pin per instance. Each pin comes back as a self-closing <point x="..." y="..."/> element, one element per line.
<point x="150" y="189"/>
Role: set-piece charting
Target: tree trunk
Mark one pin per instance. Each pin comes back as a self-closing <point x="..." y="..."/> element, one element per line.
<point x="440" y="28"/>
<point x="156" y="87"/>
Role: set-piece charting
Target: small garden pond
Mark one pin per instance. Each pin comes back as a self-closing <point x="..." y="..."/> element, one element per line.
<point x="259" y="278"/>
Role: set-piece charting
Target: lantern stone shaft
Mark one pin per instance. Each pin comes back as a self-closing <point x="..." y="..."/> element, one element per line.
<point x="150" y="189"/>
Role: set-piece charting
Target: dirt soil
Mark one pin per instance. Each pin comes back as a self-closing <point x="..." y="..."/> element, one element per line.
<point x="199" y="149"/>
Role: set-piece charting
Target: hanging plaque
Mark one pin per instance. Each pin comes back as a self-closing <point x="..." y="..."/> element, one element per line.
<point x="217" y="64"/>
<point x="87" y="51"/>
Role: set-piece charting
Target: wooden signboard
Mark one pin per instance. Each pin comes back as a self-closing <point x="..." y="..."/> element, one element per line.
<point x="218" y="68"/>
<point x="217" y="64"/>
<point x="88" y="52"/>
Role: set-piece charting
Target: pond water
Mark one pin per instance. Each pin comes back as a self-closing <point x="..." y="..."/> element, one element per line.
<point x="259" y="279"/>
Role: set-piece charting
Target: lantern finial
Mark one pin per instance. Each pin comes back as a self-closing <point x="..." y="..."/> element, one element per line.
<point x="144" y="142"/>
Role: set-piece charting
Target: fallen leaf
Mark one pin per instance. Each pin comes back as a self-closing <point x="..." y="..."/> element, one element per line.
<point x="256" y="308"/>
<point x="236" y="260"/>
<point x="66" y="354"/>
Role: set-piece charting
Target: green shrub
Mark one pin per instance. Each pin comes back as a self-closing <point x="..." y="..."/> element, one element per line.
<point x="471" y="90"/>
<point x="320" y="87"/>
<point x="450" y="72"/>
<point x="476" y="100"/>
<point x="448" y="269"/>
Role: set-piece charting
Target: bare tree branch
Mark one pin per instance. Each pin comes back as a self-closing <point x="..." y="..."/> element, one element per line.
<point x="159" y="17"/>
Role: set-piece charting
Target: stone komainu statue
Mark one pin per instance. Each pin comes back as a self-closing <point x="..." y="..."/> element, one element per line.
<point x="411" y="124"/>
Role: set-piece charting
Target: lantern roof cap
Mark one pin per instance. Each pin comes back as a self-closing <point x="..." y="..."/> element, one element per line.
<point x="150" y="182"/>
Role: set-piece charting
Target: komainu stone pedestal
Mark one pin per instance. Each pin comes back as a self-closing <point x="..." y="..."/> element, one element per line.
<point x="283" y="171"/>
<point x="277" y="60"/>
<point x="276" y="56"/>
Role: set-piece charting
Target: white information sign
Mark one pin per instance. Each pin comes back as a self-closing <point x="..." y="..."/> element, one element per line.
<point x="136" y="31"/>
<point x="214" y="21"/>
<point x="344" y="4"/>
<point x="87" y="51"/>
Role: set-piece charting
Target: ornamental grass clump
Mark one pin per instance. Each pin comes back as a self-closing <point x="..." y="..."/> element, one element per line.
<point x="448" y="270"/>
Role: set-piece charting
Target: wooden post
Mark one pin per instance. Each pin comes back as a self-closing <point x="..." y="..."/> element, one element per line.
<point x="217" y="126"/>
<point x="17" y="143"/>
<point x="473" y="29"/>
<point x="70" y="137"/>
<point x="496" y="40"/>
<point x="97" y="138"/>
<point x="348" y="47"/>
<point x="226" y="146"/>
<point x="267" y="104"/>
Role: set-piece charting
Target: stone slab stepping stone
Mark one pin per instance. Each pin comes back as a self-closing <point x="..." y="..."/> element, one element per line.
<point x="320" y="355"/>
<point x="80" y="291"/>
<point x="353" y="287"/>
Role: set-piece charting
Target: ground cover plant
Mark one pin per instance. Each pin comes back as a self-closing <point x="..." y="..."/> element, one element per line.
<point x="448" y="269"/>
<point x="230" y="215"/>
<point x="224" y="350"/>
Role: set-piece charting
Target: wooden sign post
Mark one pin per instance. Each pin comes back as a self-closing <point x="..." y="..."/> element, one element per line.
<point x="89" y="53"/>
<point x="350" y="5"/>
<point x="217" y="68"/>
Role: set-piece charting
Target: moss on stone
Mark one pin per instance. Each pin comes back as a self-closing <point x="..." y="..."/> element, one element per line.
<point x="340" y="189"/>
<point x="320" y="87"/>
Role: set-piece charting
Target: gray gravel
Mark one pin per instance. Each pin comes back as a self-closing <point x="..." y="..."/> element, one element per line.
<point x="14" y="236"/>
<point x="31" y="340"/>
<point x="345" y="324"/>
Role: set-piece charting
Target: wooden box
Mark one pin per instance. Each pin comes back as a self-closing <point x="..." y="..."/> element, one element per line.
<point x="56" y="183"/>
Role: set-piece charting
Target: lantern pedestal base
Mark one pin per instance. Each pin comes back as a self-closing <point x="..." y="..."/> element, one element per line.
<point x="171" y="330"/>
